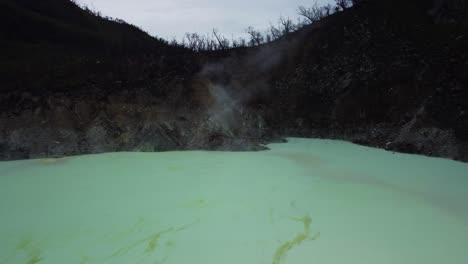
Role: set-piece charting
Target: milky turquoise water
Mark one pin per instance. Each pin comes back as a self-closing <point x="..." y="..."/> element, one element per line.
<point x="305" y="202"/>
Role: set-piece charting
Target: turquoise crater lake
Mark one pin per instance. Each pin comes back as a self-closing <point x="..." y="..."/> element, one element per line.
<point x="305" y="201"/>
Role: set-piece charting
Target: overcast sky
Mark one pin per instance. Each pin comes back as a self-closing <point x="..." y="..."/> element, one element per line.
<point x="173" y="18"/>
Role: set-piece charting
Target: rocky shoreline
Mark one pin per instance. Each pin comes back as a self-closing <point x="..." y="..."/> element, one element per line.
<point x="75" y="127"/>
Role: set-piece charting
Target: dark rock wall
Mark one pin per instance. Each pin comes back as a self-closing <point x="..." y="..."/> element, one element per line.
<point x="383" y="73"/>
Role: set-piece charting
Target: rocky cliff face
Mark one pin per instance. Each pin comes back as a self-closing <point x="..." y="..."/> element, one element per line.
<point x="381" y="75"/>
<point x="384" y="73"/>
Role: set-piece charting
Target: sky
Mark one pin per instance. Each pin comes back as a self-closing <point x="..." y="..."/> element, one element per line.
<point x="173" y="18"/>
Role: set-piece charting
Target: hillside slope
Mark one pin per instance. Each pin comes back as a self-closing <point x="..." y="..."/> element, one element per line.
<point x="63" y="24"/>
<point x="56" y="46"/>
<point x="385" y="73"/>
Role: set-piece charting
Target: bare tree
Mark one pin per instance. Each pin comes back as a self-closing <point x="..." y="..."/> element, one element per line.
<point x="239" y="43"/>
<point x="343" y="4"/>
<point x="312" y="14"/>
<point x="195" y="41"/>
<point x="174" y="42"/>
<point x="223" y="43"/>
<point x="256" y="37"/>
<point x="217" y="41"/>
<point x="287" y="25"/>
<point x="275" y="32"/>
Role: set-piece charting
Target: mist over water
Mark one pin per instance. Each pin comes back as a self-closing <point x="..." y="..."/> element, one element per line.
<point x="305" y="201"/>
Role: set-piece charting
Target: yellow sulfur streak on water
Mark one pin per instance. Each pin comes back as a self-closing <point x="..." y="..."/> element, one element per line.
<point x="32" y="252"/>
<point x="51" y="161"/>
<point x="281" y="252"/>
<point x="152" y="243"/>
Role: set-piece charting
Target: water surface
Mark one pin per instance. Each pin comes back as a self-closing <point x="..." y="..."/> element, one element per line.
<point x="306" y="201"/>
